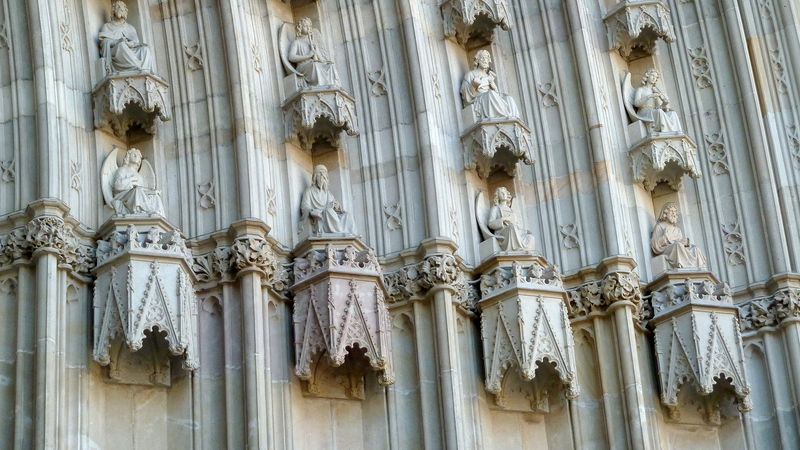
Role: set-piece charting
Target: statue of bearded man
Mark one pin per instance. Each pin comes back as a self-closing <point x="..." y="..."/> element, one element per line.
<point x="321" y="211"/>
<point x="479" y="89"/>
<point x="309" y="57"/>
<point x="120" y="47"/>
<point x="668" y="240"/>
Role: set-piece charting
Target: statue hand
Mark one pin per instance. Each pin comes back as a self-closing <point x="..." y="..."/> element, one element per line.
<point x="337" y="207"/>
<point x="315" y="213"/>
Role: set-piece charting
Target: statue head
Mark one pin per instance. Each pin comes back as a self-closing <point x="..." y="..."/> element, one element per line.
<point x="119" y="11"/>
<point x="669" y="213"/>
<point x="320" y="178"/>
<point x="482" y="60"/>
<point x="304" y="26"/>
<point x="133" y="157"/>
<point x="502" y="196"/>
<point x="650" y="77"/>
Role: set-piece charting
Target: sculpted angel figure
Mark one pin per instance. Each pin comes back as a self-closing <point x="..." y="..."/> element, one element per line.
<point x="120" y="46"/>
<point x="307" y="57"/>
<point x="650" y="104"/>
<point x="668" y="240"/>
<point x="479" y="89"/>
<point x="130" y="188"/>
<point x="502" y="224"/>
<point x="320" y="210"/>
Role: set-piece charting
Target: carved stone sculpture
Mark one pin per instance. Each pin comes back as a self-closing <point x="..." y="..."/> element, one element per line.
<point x="144" y="300"/>
<point x="316" y="105"/>
<point x="660" y="150"/>
<point x="320" y="212"/>
<point x="129" y="92"/>
<point x="130" y="188"/>
<point x="473" y="21"/>
<point x="636" y="25"/>
<point x="500" y="226"/>
<point x="120" y="47"/>
<point x="495" y="136"/>
<point x="341" y="322"/>
<point x="698" y="342"/>
<point x="525" y="330"/>
<point x="668" y="241"/>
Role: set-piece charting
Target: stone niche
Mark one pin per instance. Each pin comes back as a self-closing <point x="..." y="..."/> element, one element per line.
<point x="145" y="309"/>
<point x="698" y="344"/>
<point x="528" y="348"/>
<point x="662" y="157"/>
<point x="125" y="99"/>
<point x="495" y="144"/>
<point x="472" y="22"/>
<point x="341" y="323"/>
<point x="634" y="26"/>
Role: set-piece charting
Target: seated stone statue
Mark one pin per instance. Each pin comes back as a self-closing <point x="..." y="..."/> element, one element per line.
<point x="130" y="188"/>
<point x="652" y="105"/>
<point x="120" y="46"/>
<point x="668" y="240"/>
<point x="504" y="225"/>
<point x="479" y="89"/>
<point x="320" y="210"/>
<point x="309" y="58"/>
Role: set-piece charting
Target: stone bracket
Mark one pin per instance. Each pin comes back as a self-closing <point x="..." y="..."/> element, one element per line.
<point x="126" y="99"/>
<point x="638" y="24"/>
<point x="474" y="21"/>
<point x="497" y="144"/>
<point x="314" y="114"/>
<point x="664" y="157"/>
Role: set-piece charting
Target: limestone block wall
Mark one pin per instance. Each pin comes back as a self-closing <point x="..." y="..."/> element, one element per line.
<point x="230" y="170"/>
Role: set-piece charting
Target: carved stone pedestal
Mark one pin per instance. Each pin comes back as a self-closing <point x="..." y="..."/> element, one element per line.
<point x="341" y="324"/>
<point x="698" y="342"/>
<point x="319" y="112"/>
<point x="495" y="144"/>
<point x="664" y="157"/>
<point x="145" y="310"/>
<point x="474" y="20"/>
<point x="638" y="24"/>
<point x="525" y="330"/>
<point x="125" y="99"/>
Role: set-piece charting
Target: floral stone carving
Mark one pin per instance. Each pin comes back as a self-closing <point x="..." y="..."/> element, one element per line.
<point x="525" y="328"/>
<point x="474" y="21"/>
<point x="144" y="300"/>
<point x="340" y="315"/>
<point x="637" y="25"/>
<point x="698" y="342"/>
<point x="316" y="106"/>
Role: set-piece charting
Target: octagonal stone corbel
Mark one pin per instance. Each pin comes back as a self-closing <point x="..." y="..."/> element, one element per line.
<point x="341" y="323"/>
<point x="525" y="329"/>
<point x="318" y="113"/>
<point x="124" y="99"/>
<point x="664" y="157"/>
<point x="637" y="25"/>
<point x="474" y="21"/>
<point x="698" y="342"/>
<point x="497" y="143"/>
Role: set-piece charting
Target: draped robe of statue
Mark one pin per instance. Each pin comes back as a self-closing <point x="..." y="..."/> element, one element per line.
<point x="332" y="221"/>
<point x="650" y="108"/>
<point x="478" y="89"/>
<point x="510" y="237"/>
<point x="313" y="62"/>
<point x="668" y="240"/>
<point x="121" y="49"/>
<point x="131" y="196"/>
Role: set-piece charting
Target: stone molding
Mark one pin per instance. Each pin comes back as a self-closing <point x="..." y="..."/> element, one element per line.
<point x="314" y="113"/>
<point x="122" y="100"/>
<point x="46" y="234"/>
<point x="638" y="24"/>
<point x="767" y="312"/>
<point x="595" y="297"/>
<point x="414" y="281"/>
<point x="664" y="157"/>
<point x="474" y="21"/>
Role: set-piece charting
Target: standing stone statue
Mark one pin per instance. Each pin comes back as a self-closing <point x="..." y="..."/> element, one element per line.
<point x="120" y="46"/>
<point x="479" y="89"/>
<point x="650" y="104"/>
<point x="668" y="240"/>
<point x="131" y="187"/>
<point x="308" y="58"/>
<point x="320" y="210"/>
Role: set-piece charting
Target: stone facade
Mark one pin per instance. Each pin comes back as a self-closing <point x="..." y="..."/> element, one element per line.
<point x="307" y="224"/>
